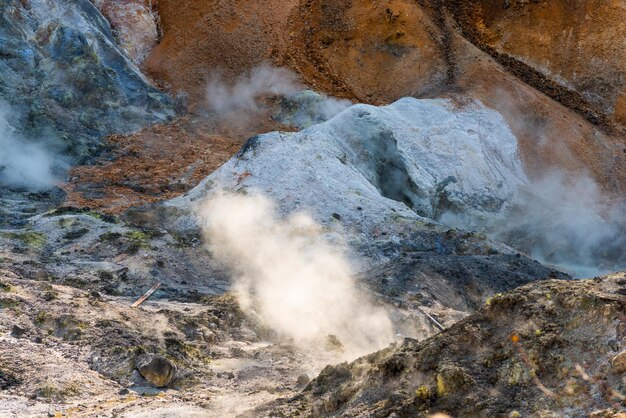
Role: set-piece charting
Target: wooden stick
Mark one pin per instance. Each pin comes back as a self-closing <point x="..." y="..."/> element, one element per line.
<point x="146" y="295"/>
<point x="431" y="319"/>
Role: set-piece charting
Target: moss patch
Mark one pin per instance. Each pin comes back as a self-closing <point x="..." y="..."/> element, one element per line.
<point x="69" y="210"/>
<point x="54" y="392"/>
<point x="32" y="239"/>
<point x="6" y="303"/>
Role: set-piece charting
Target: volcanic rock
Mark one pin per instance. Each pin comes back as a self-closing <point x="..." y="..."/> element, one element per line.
<point x="65" y="77"/>
<point x="424" y="155"/>
<point x="554" y="39"/>
<point x="307" y="108"/>
<point x="303" y="380"/>
<point x="159" y="371"/>
<point x="133" y="24"/>
<point x="18" y="331"/>
<point x="542" y="347"/>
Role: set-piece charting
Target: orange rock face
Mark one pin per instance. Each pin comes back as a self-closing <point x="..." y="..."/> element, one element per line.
<point x="556" y="70"/>
<point x="155" y="164"/>
<point x="579" y="43"/>
<point x="372" y="51"/>
<point x="202" y="38"/>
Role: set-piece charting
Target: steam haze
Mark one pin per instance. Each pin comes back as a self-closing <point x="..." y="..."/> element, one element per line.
<point x="242" y="95"/>
<point x="569" y="222"/>
<point x="25" y="163"/>
<point x="290" y="277"/>
<point x="565" y="221"/>
<point x="243" y="100"/>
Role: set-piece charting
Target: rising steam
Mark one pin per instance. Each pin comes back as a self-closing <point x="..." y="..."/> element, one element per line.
<point x="562" y="220"/>
<point x="569" y="222"/>
<point x="25" y="163"/>
<point x="239" y="102"/>
<point x="290" y="277"/>
<point x="242" y="95"/>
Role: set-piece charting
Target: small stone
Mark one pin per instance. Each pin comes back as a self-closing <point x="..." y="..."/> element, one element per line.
<point x="123" y="391"/>
<point x="226" y="375"/>
<point x="17" y="331"/>
<point x="619" y="362"/>
<point x="303" y="380"/>
<point x="159" y="371"/>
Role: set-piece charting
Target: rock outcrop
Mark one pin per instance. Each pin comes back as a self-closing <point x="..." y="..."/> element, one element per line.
<point x="567" y="42"/>
<point x="375" y="170"/>
<point x="544" y="349"/>
<point x="66" y="78"/>
<point x="375" y="164"/>
<point x="134" y="26"/>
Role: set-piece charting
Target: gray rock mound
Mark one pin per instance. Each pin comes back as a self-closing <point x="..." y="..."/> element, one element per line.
<point x="424" y="155"/>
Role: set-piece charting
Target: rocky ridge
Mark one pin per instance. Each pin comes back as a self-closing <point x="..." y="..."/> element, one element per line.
<point x="545" y="349"/>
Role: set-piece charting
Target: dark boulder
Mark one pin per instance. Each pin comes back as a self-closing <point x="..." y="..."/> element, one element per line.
<point x="159" y="371"/>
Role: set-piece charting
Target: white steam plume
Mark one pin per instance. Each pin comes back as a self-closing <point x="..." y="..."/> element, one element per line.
<point x="564" y="221"/>
<point x="241" y="101"/>
<point x="242" y="96"/>
<point x="25" y="163"/>
<point x="290" y="276"/>
<point x="569" y="222"/>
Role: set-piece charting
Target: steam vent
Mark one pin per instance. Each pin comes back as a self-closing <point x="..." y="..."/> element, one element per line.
<point x="313" y="208"/>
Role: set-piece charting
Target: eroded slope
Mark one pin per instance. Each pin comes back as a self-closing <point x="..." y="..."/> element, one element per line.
<point x="551" y="348"/>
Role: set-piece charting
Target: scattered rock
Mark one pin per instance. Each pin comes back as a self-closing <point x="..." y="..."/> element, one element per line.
<point x="303" y="380"/>
<point x="159" y="371"/>
<point x="18" y="332"/>
<point x="7" y="380"/>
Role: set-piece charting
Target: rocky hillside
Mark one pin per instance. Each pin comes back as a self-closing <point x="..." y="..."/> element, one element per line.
<point x="312" y="208"/>
<point x="379" y="52"/>
<point x="66" y="77"/>
<point x="547" y="347"/>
